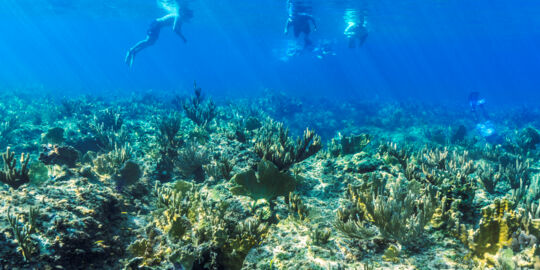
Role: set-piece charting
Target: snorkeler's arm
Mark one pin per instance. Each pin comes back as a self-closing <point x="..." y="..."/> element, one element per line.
<point x="287" y="26"/>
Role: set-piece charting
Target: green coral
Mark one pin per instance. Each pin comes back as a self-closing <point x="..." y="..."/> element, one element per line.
<point x="320" y="236"/>
<point x="274" y="144"/>
<point x="348" y="145"/>
<point x="23" y="233"/>
<point x="168" y="127"/>
<point x="297" y="206"/>
<point x="119" y="165"/>
<point x="267" y="183"/>
<point x="199" y="110"/>
<point x="399" y="208"/>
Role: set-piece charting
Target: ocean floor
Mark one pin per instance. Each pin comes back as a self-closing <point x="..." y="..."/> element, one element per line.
<point x="276" y="182"/>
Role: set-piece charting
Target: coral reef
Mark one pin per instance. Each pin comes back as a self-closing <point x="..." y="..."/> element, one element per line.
<point x="134" y="182"/>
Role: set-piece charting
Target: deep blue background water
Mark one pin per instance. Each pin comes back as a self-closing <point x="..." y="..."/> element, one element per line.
<point x="436" y="51"/>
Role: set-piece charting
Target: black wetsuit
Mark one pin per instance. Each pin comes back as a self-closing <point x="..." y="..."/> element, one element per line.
<point x="301" y="25"/>
<point x="154" y="30"/>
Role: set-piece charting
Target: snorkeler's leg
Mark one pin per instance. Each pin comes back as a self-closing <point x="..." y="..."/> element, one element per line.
<point x="352" y="43"/>
<point x="362" y="39"/>
<point x="484" y="112"/>
<point x="141" y="45"/>
<point x="307" y="42"/>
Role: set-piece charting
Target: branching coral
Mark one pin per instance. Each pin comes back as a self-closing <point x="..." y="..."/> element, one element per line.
<point x="200" y="111"/>
<point x="452" y="173"/>
<point x="219" y="169"/>
<point x="23" y="233"/>
<point x="399" y="208"/>
<point x="205" y="231"/>
<point x="111" y="162"/>
<point x="274" y="144"/>
<point x="297" y="206"/>
<point x="191" y="159"/>
<point x="489" y="177"/>
<point x="517" y="172"/>
<point x="11" y="175"/>
<point x="168" y="127"/>
<point x="393" y="153"/>
<point x="119" y="165"/>
<point x="320" y="236"/>
<point x="110" y="119"/>
<point x="106" y="139"/>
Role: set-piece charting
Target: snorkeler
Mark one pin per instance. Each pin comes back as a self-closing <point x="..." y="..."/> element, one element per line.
<point x="176" y="17"/>
<point x="484" y="125"/>
<point x="356" y="33"/>
<point x="477" y="104"/>
<point x="299" y="19"/>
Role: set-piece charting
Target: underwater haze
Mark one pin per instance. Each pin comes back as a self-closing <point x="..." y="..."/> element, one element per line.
<point x="431" y="50"/>
<point x="269" y="134"/>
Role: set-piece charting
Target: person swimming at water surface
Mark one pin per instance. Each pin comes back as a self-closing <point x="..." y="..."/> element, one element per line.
<point x="355" y="26"/>
<point x="177" y="14"/>
<point x="356" y="33"/>
<point x="300" y="20"/>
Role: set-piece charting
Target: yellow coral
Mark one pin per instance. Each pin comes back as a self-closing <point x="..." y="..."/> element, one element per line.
<point x="495" y="231"/>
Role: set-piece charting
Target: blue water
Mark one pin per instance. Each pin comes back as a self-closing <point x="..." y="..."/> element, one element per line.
<point x="436" y="51"/>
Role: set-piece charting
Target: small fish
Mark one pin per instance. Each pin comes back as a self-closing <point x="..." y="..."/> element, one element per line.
<point x="99" y="241"/>
<point x="123" y="213"/>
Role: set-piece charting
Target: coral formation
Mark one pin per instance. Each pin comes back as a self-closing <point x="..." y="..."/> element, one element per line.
<point x="11" y="175"/>
<point x="274" y="144"/>
<point x="59" y="155"/>
<point x="267" y="183"/>
<point x="23" y="233"/>
<point x="199" y="110"/>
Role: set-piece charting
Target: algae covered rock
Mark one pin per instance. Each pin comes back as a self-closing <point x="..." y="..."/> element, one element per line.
<point x="59" y="155"/>
<point x="267" y="183"/>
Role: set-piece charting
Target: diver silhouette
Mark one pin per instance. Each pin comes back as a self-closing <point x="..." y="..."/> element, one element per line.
<point x="299" y="19"/>
<point x="177" y="15"/>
